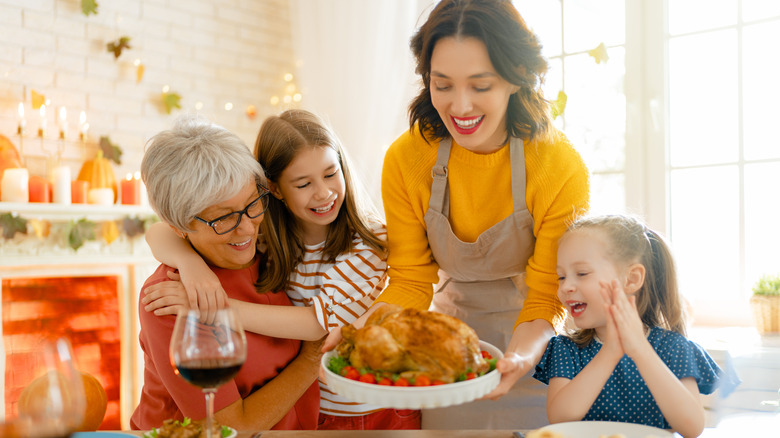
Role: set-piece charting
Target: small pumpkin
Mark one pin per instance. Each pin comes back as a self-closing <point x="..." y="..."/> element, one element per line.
<point x="95" y="397"/>
<point x="98" y="173"/>
<point x="9" y="155"/>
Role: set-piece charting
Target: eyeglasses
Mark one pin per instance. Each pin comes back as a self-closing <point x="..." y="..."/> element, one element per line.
<point x="231" y="221"/>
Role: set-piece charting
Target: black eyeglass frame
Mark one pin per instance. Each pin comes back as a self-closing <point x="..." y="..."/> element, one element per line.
<point x="213" y="224"/>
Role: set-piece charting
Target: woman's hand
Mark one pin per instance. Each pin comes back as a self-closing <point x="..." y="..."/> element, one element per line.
<point x="166" y="297"/>
<point x="512" y="367"/>
<point x="333" y="339"/>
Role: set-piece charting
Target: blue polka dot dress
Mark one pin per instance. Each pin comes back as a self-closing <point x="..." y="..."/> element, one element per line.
<point x="625" y="396"/>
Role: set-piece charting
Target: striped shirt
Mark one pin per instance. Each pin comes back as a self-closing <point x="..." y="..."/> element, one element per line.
<point x="340" y="292"/>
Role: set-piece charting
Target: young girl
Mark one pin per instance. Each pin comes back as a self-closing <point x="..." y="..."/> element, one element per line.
<point x="323" y="247"/>
<point x="629" y="360"/>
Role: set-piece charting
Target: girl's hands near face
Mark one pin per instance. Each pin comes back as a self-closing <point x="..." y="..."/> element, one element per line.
<point x="626" y="319"/>
<point x="165" y="298"/>
<point x="612" y="342"/>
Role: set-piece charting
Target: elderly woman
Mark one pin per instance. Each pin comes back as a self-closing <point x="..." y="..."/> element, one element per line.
<point x="203" y="182"/>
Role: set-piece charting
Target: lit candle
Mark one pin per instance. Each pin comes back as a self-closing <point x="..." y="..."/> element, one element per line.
<point x="78" y="191"/>
<point x="39" y="189"/>
<point x="14" y="186"/>
<point x="131" y="190"/>
<point x="42" y="129"/>
<point x="84" y="125"/>
<point x="22" y="121"/>
<point x="63" y="122"/>
<point x="144" y="195"/>
<point x="104" y="196"/>
<point x="62" y="185"/>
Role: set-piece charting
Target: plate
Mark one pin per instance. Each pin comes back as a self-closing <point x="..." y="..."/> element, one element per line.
<point x="597" y="429"/>
<point x="232" y="434"/>
<point x="100" y="434"/>
<point x="414" y="397"/>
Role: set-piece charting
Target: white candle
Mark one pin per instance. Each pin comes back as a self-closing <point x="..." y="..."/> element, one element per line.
<point x="61" y="180"/>
<point x="14" y="186"/>
<point x="101" y="196"/>
<point x="63" y="122"/>
<point x="22" y="121"/>
<point x="42" y="129"/>
<point x="144" y="195"/>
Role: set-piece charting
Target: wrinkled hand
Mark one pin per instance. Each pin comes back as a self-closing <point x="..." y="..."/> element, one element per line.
<point x="165" y="298"/>
<point x="512" y="367"/>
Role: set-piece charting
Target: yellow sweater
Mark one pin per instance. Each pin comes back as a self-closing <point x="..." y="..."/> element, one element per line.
<point x="480" y="196"/>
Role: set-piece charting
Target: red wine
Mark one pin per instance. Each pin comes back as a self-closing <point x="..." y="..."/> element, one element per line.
<point x="208" y="373"/>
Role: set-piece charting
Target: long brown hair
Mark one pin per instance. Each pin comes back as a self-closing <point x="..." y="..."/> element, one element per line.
<point x="278" y="143"/>
<point x="658" y="300"/>
<point x="514" y="51"/>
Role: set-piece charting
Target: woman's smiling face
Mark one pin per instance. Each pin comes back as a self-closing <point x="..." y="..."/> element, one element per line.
<point x="235" y="249"/>
<point x="469" y="95"/>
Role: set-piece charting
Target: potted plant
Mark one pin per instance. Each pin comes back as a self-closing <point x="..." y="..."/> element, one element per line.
<point x="766" y="304"/>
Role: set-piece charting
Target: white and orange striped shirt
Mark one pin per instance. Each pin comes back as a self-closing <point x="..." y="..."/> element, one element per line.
<point x="340" y="292"/>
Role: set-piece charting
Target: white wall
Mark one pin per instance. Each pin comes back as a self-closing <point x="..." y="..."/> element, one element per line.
<point x="211" y="52"/>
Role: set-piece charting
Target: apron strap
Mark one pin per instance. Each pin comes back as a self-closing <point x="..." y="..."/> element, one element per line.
<point x="440" y="200"/>
<point x="517" y="162"/>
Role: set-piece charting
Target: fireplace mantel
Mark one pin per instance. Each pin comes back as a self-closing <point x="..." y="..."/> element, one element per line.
<point x="48" y="254"/>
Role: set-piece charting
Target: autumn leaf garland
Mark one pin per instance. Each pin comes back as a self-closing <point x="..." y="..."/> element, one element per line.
<point x="77" y="232"/>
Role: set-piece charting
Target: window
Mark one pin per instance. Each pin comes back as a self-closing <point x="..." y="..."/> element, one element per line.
<point x="678" y="126"/>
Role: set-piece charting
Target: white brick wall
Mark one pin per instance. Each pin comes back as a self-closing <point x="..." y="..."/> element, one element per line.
<point x="213" y="52"/>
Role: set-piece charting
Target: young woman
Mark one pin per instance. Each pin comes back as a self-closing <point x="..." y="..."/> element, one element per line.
<point x="326" y="250"/>
<point x="629" y="360"/>
<point x="476" y="195"/>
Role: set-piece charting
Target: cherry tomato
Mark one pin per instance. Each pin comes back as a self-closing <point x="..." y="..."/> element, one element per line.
<point x="401" y="382"/>
<point x="385" y="381"/>
<point x="351" y="373"/>
<point x="422" y="380"/>
<point x="438" y="382"/>
<point x="367" y="378"/>
<point x="486" y="355"/>
<point x="470" y="376"/>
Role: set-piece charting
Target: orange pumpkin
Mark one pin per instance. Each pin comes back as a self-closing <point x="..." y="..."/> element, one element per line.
<point x="96" y="400"/>
<point x="9" y="156"/>
<point x="98" y="173"/>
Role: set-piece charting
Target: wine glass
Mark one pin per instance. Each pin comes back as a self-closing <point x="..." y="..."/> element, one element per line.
<point x="54" y="402"/>
<point x="208" y="354"/>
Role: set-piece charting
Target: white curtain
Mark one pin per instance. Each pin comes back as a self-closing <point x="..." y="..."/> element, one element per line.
<point x="355" y="69"/>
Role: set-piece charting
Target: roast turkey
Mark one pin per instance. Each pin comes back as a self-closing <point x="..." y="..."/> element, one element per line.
<point x="412" y="342"/>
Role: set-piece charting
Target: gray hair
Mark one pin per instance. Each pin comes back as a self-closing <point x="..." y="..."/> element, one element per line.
<point x="194" y="166"/>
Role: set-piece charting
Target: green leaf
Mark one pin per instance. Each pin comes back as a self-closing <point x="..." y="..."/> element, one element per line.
<point x="171" y="101"/>
<point x="80" y="232"/>
<point x="116" y="47"/>
<point x="12" y="224"/>
<point x="110" y="150"/>
<point x="89" y="7"/>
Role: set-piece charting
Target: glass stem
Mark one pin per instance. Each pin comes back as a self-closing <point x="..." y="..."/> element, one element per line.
<point x="209" y="410"/>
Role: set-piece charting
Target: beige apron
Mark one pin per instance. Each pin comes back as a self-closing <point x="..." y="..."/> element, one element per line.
<point x="476" y="285"/>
